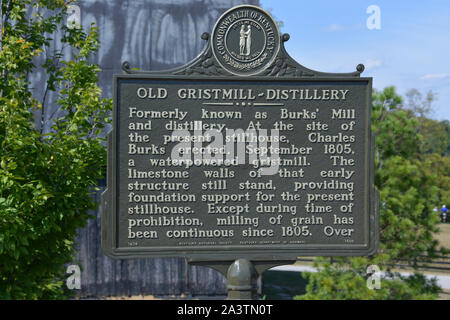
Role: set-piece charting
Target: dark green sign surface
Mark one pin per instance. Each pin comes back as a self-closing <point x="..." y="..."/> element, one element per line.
<point x="318" y="202"/>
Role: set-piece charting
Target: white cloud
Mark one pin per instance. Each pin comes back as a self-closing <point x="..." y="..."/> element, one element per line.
<point x="372" y="63"/>
<point x="434" y="76"/>
<point x="334" y="28"/>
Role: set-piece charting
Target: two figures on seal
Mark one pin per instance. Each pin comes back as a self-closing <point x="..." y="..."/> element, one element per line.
<point x="245" y="40"/>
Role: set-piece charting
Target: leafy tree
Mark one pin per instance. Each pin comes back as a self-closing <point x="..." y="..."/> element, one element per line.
<point x="347" y="280"/>
<point x="45" y="179"/>
<point x="436" y="137"/>
<point x="439" y="166"/>
<point x="421" y="106"/>
<point x="435" y="134"/>
<point x="408" y="192"/>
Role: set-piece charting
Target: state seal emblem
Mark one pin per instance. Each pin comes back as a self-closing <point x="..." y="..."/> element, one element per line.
<point x="245" y="40"/>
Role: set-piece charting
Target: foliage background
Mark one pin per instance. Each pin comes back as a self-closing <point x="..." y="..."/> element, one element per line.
<point x="46" y="179"/>
<point x="411" y="174"/>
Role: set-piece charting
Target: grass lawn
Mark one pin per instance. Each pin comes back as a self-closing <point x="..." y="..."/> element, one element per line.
<point x="444" y="235"/>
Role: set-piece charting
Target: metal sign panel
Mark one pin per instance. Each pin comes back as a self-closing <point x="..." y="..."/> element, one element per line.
<point x="243" y="153"/>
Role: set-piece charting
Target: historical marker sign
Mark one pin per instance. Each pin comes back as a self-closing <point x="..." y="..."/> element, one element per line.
<point x="243" y="153"/>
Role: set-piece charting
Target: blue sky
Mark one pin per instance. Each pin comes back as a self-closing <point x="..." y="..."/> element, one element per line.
<point x="411" y="50"/>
